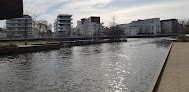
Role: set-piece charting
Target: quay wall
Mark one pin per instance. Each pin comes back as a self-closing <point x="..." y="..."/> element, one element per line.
<point x="30" y="48"/>
<point x="158" y="75"/>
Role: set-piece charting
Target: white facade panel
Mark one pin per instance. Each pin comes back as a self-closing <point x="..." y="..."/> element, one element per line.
<point x="148" y="26"/>
<point x="87" y="28"/>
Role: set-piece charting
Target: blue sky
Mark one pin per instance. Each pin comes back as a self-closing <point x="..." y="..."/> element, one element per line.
<point x="124" y="10"/>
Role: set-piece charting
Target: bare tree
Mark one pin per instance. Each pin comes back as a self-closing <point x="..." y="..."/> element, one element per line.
<point x="49" y="32"/>
<point x="185" y="24"/>
<point x="44" y="29"/>
<point x="163" y="31"/>
<point x="113" y="22"/>
<point x="29" y="17"/>
<point x="115" y="32"/>
<point x="25" y="30"/>
<point x="10" y="34"/>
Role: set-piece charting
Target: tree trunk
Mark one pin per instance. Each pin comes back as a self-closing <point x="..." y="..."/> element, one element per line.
<point x="25" y="31"/>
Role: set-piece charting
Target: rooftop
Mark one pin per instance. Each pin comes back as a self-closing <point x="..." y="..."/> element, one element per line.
<point x="64" y="15"/>
<point x="169" y="20"/>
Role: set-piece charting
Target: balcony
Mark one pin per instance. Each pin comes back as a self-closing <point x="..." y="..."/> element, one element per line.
<point x="18" y="22"/>
<point x="19" y="26"/>
<point x="15" y="30"/>
<point x="64" y="27"/>
<point x="65" y="23"/>
<point x="61" y="30"/>
<point x="65" y="19"/>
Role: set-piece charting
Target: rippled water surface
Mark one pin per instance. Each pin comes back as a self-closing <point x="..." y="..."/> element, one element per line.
<point x="116" y="67"/>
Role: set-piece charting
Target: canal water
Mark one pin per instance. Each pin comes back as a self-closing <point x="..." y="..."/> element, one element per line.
<point x="109" y="67"/>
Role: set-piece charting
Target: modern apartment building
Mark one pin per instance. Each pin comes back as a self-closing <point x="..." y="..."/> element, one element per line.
<point x="148" y="26"/>
<point x="129" y="29"/>
<point x="170" y="26"/>
<point x="89" y="27"/>
<point x="62" y="25"/>
<point x="17" y="26"/>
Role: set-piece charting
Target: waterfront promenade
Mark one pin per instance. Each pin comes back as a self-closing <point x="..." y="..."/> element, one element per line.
<point x="175" y="77"/>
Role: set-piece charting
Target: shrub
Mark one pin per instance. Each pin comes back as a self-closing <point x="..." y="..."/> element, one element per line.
<point x="182" y="38"/>
<point x="11" y="45"/>
<point x="8" y="45"/>
<point x="2" y="46"/>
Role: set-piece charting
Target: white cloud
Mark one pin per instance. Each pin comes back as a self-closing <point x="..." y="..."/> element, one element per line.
<point x="85" y="8"/>
<point x="164" y="10"/>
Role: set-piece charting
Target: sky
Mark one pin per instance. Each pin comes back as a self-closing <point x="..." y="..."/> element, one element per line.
<point x="125" y="11"/>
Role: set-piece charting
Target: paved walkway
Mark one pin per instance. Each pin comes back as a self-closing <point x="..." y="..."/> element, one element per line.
<point x="176" y="74"/>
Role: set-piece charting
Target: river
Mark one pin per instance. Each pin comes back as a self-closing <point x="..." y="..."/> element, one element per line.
<point x="108" y="67"/>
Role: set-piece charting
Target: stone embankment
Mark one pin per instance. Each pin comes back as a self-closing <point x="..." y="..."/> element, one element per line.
<point x="87" y="42"/>
<point x="50" y="46"/>
<point x="28" y="48"/>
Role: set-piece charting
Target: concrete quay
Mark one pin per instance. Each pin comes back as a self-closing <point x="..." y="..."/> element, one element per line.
<point x="28" y="48"/>
<point x="174" y="76"/>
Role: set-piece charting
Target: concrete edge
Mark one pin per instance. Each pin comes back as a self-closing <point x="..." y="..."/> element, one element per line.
<point x="157" y="78"/>
<point x="27" y="48"/>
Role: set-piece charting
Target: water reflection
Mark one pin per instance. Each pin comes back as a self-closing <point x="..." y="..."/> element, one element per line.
<point x="162" y="43"/>
<point x="115" y="67"/>
<point x="17" y="73"/>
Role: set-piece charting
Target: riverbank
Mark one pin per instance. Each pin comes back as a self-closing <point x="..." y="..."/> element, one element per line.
<point x="88" y="38"/>
<point x="53" y="45"/>
<point x="88" y="42"/>
<point x="183" y="38"/>
<point x="174" y="74"/>
<point x="28" y="48"/>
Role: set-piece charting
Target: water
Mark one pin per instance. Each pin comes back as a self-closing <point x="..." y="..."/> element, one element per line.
<point x="117" y="67"/>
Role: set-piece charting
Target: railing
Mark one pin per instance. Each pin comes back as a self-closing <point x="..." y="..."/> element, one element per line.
<point x="16" y="22"/>
<point x="18" y="26"/>
<point x="20" y="30"/>
<point x="65" y="19"/>
<point x="65" y="23"/>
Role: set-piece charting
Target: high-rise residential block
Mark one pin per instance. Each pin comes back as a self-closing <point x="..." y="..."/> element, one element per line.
<point x="17" y="26"/>
<point x="170" y="26"/>
<point x="90" y="27"/>
<point x="62" y="25"/>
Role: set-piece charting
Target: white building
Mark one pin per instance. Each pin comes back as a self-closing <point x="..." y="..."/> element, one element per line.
<point x="89" y="27"/>
<point x="148" y="26"/>
<point x="16" y="27"/>
<point x="62" y="25"/>
<point x="129" y="29"/>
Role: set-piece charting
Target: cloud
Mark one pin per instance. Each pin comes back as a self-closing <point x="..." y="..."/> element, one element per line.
<point x="124" y="10"/>
<point x="164" y="10"/>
